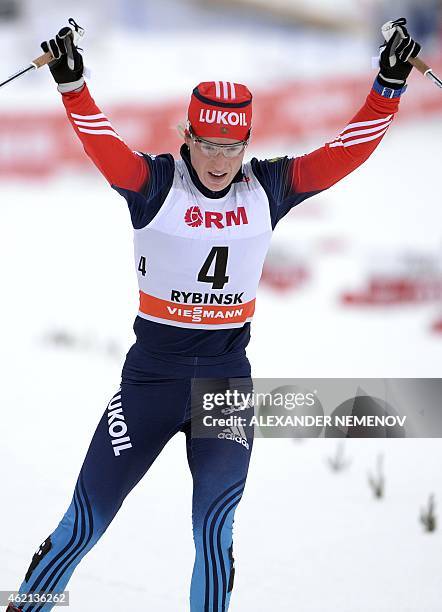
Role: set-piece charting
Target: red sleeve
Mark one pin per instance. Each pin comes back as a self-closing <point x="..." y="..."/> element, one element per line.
<point x="329" y="164"/>
<point x="115" y="160"/>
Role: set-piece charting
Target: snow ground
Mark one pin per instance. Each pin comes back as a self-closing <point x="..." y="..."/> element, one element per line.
<point x="306" y="540"/>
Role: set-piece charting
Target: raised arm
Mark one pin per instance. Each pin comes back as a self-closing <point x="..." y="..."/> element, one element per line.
<point x="357" y="141"/>
<point x="116" y="161"/>
<point x="327" y="165"/>
<point x="290" y="181"/>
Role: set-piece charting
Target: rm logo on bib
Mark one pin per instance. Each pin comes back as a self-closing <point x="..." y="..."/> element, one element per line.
<point x="194" y="217"/>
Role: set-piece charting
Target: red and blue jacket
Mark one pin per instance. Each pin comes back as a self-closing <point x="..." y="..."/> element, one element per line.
<point x="145" y="182"/>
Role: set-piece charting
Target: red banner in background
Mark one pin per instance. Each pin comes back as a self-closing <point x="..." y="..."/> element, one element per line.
<point x="41" y="144"/>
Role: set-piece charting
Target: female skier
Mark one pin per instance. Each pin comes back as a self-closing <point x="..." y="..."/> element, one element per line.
<point x="202" y="226"/>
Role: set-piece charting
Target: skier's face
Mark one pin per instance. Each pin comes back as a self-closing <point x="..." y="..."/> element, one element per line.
<point x="215" y="171"/>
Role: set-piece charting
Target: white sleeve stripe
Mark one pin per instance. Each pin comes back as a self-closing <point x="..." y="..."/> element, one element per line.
<point x="97" y="116"/>
<point x="232" y="85"/>
<point x="225" y="90"/>
<point x="365" y="123"/>
<point x="358" y="140"/>
<point x="217" y="89"/>
<point x="380" y="126"/>
<point x="367" y="131"/>
<point x="100" y="133"/>
<point x="94" y="123"/>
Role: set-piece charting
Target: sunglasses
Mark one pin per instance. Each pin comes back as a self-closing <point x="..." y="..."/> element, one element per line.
<point x="211" y="149"/>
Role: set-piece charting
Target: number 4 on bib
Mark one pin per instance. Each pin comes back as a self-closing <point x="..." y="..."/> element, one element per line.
<point x="218" y="256"/>
<point x="142" y="265"/>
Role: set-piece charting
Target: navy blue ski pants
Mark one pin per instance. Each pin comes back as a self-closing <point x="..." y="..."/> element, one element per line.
<point x="152" y="405"/>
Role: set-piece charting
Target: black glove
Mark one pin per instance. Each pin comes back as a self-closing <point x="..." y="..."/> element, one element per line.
<point x="395" y="54"/>
<point x="67" y="67"/>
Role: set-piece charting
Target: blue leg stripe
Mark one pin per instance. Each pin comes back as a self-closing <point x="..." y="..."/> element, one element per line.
<point x="212" y="544"/>
<point x="41" y="576"/>
<point x="86" y="536"/>
<point x="220" y="552"/>
<point x="206" y="520"/>
<point x="45" y="585"/>
<point x="73" y="548"/>
<point x="213" y="507"/>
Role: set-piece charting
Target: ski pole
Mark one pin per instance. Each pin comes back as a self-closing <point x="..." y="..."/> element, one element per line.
<point x="40" y="61"/>
<point x="76" y="32"/>
<point x="425" y="70"/>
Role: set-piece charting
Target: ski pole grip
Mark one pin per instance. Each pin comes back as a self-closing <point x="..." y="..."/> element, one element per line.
<point x="419" y="64"/>
<point x="43" y="60"/>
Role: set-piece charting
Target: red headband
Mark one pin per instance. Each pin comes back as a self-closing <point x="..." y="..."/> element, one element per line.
<point x="221" y="109"/>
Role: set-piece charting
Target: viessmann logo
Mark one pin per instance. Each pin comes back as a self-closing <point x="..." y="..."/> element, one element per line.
<point x="194" y="217"/>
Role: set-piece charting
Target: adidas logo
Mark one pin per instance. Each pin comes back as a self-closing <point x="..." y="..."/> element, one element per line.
<point x="237" y="434"/>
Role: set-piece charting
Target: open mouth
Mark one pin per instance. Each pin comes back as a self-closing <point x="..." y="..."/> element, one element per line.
<point x="218" y="175"/>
